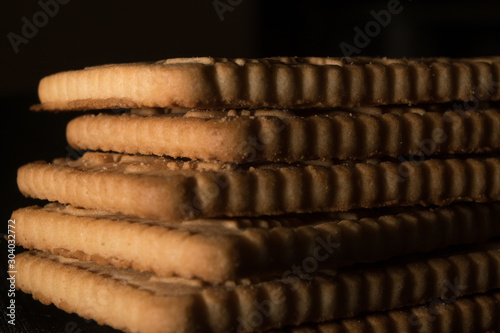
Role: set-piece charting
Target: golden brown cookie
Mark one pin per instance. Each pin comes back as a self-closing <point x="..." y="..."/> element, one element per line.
<point x="217" y="250"/>
<point x="170" y="190"/>
<point x="271" y="135"/>
<point x="273" y="82"/>
<point x="142" y="302"/>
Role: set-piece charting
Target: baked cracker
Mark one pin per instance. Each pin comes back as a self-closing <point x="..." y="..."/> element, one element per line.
<point x="286" y="82"/>
<point x="271" y="135"/>
<point x="217" y="250"/>
<point x="142" y="302"/>
<point x="172" y="190"/>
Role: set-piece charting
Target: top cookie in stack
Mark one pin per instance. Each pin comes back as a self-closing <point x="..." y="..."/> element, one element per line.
<point x="212" y="83"/>
<point x="193" y="148"/>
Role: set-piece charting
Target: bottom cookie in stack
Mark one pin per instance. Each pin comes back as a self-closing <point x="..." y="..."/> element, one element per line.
<point x="143" y="302"/>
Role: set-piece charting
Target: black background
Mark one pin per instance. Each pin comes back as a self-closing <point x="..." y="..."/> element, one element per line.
<point x="84" y="33"/>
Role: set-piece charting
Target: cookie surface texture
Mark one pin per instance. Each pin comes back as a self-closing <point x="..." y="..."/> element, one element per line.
<point x="170" y="190"/>
<point x="273" y="82"/>
<point x="285" y="136"/>
<point x="217" y="250"/>
<point x="471" y="314"/>
<point x="142" y="302"/>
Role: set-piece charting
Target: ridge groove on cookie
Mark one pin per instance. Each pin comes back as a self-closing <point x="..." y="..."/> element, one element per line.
<point x="495" y="177"/>
<point x="369" y="78"/>
<point x="486" y="126"/>
<point x="344" y="134"/>
<point x="216" y="250"/>
<point x="178" y="301"/>
<point x="463" y="73"/>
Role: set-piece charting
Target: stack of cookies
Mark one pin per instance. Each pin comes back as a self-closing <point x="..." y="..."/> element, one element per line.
<point x="290" y="194"/>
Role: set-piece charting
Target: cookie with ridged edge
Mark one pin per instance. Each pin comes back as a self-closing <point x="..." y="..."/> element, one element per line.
<point x="285" y="82"/>
<point x="217" y="250"/>
<point x="142" y="302"/>
<point x="170" y="190"/>
<point x="273" y="135"/>
<point x="469" y="314"/>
